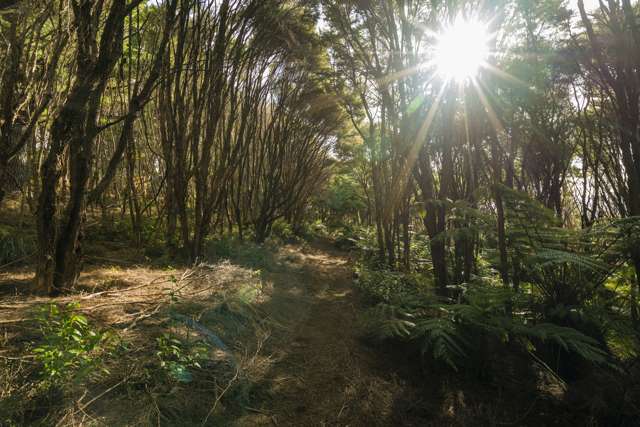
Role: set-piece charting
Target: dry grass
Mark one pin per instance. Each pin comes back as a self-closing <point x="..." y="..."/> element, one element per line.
<point x="298" y="358"/>
<point x="136" y="303"/>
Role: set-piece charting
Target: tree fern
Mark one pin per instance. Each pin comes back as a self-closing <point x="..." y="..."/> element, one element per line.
<point x="440" y="338"/>
<point x="441" y="329"/>
<point x="569" y="339"/>
<point x="550" y="257"/>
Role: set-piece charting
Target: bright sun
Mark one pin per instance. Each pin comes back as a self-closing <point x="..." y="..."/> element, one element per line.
<point x="462" y="49"/>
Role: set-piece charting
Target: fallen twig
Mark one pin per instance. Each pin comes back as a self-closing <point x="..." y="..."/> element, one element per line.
<point x="83" y="407"/>
<point x="215" y="404"/>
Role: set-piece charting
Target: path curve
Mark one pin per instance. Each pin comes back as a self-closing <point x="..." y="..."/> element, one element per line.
<point x="325" y="373"/>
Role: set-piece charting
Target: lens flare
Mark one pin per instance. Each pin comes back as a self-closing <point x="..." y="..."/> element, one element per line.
<point x="462" y="49"/>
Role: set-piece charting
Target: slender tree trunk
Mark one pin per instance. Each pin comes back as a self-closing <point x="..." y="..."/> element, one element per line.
<point x="500" y="220"/>
<point x="75" y="127"/>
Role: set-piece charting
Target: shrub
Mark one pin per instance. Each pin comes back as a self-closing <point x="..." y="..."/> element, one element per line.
<point x="282" y="230"/>
<point x="221" y="248"/>
<point x="178" y="358"/>
<point x="387" y="286"/>
<point x="70" y="349"/>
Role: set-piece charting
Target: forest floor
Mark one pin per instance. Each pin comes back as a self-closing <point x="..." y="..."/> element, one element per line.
<point x="324" y="372"/>
<point x="297" y="354"/>
<point x="302" y="359"/>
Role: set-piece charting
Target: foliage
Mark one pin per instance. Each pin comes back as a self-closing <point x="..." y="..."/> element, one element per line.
<point x="15" y="245"/>
<point x="443" y="331"/>
<point x="446" y="331"/>
<point x="342" y="197"/>
<point x="283" y="231"/>
<point x="385" y="285"/>
<point x="70" y="350"/>
<point x="178" y="358"/>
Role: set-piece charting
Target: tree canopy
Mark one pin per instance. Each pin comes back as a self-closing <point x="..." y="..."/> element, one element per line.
<point x="481" y="160"/>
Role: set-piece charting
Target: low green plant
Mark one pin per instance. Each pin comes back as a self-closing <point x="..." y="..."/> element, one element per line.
<point x="446" y="332"/>
<point x="178" y="358"/>
<point x="282" y="230"/>
<point x="386" y="285"/>
<point x="318" y="228"/>
<point x="71" y="349"/>
<point x="221" y="248"/>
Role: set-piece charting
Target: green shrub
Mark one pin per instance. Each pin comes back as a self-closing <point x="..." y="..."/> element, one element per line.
<point x="71" y="349"/>
<point x="318" y="228"/>
<point x="178" y="358"/>
<point x="386" y="285"/>
<point x="283" y="231"/>
<point x="221" y="248"/>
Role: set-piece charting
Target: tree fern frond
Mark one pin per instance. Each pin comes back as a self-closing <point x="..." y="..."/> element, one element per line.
<point x="548" y="257"/>
<point x="568" y="339"/>
<point x="441" y="339"/>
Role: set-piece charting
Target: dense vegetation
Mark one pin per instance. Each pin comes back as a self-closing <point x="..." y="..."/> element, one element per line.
<point x="492" y="208"/>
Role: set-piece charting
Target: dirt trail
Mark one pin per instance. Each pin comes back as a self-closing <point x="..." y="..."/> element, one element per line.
<point x="324" y="373"/>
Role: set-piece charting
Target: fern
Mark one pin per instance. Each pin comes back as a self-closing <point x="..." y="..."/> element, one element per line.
<point x="440" y="330"/>
<point x="391" y="321"/>
<point x="550" y="257"/>
<point x="569" y="339"/>
<point x="433" y="329"/>
<point x="441" y="339"/>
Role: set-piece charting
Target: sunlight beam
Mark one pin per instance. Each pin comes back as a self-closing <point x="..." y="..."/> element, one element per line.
<point x="462" y="49"/>
<point x="491" y="114"/>
<point x="420" y="139"/>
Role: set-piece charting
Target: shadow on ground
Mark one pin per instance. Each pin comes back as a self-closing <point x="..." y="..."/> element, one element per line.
<point x="323" y="372"/>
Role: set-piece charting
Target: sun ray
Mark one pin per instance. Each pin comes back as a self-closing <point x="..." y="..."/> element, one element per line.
<point x="420" y="138"/>
<point x="493" y="117"/>
<point x="462" y="49"/>
<point x="504" y="75"/>
<point x="400" y="74"/>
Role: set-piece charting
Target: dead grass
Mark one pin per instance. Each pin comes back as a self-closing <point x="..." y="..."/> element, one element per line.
<point x="290" y="328"/>
<point x="136" y="303"/>
<point x="297" y="353"/>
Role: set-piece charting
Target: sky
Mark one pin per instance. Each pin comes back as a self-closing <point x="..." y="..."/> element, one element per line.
<point x="588" y="4"/>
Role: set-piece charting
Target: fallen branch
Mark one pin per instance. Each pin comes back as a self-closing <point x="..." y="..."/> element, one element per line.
<point x="215" y="403"/>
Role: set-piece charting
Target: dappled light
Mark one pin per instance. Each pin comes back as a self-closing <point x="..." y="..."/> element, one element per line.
<point x="319" y="213"/>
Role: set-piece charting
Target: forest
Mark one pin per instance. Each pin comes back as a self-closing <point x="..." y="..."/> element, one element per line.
<point x="319" y="212"/>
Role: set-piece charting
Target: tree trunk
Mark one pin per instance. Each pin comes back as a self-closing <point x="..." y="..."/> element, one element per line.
<point x="75" y="127"/>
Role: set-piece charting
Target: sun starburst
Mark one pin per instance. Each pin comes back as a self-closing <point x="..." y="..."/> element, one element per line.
<point x="462" y="49"/>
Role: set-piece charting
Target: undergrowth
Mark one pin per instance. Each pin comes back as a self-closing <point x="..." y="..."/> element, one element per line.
<point x="187" y="363"/>
<point x="70" y="348"/>
<point x="15" y="245"/>
<point x="566" y="315"/>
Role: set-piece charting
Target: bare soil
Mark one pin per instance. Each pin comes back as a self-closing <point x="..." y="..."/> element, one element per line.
<point x="324" y="373"/>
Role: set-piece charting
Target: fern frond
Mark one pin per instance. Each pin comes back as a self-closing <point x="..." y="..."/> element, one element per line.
<point x="395" y="328"/>
<point x="442" y="340"/>
<point x="548" y="257"/>
<point x="569" y="339"/>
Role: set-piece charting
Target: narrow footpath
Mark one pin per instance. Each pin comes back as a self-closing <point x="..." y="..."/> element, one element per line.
<point x="325" y="373"/>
